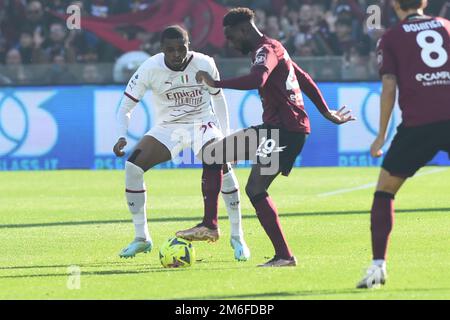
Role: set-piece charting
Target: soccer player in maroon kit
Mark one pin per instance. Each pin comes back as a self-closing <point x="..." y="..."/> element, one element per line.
<point x="413" y="55"/>
<point x="285" y="122"/>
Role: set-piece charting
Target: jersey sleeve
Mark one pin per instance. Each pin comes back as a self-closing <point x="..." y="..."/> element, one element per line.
<point x="135" y="90"/>
<point x="138" y="83"/>
<point x="265" y="58"/>
<point x="215" y="75"/>
<point x="265" y="61"/>
<point x="387" y="63"/>
<point x="310" y="88"/>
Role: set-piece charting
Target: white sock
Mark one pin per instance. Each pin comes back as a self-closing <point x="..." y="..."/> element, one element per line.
<point x="380" y="263"/>
<point x="137" y="199"/>
<point x="231" y="197"/>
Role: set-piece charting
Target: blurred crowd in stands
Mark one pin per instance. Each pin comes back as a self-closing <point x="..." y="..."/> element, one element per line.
<point x="31" y="35"/>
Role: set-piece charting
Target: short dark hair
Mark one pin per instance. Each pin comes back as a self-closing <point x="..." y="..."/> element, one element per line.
<point x="174" y="32"/>
<point x="238" y="15"/>
<point x="410" y="4"/>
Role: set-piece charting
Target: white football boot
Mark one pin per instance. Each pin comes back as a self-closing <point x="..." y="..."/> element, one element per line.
<point x="241" y="250"/>
<point x="135" y="247"/>
<point x="375" y="277"/>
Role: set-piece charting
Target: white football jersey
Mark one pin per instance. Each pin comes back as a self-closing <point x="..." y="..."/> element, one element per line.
<point x="177" y="97"/>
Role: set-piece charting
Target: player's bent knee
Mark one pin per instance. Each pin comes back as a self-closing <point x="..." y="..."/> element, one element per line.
<point x="229" y="182"/>
<point x="255" y="193"/>
<point x="139" y="161"/>
<point x="134" y="156"/>
<point x="386" y="189"/>
<point x="389" y="183"/>
<point x="134" y="177"/>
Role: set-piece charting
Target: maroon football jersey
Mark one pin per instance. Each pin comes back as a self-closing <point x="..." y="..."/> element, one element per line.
<point x="417" y="52"/>
<point x="280" y="96"/>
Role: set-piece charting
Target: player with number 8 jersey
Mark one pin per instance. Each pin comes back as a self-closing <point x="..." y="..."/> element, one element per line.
<point x="416" y="51"/>
<point x="415" y="57"/>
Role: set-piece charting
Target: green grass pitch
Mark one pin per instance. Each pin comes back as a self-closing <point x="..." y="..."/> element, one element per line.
<point x="50" y="221"/>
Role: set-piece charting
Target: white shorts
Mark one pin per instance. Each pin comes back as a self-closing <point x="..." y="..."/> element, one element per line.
<point x="177" y="137"/>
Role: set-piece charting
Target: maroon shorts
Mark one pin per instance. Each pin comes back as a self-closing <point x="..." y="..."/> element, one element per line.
<point x="282" y="144"/>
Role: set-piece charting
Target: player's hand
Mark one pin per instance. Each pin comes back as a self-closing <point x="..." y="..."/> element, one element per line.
<point x="203" y="76"/>
<point x="340" y="116"/>
<point x="375" y="148"/>
<point x="118" y="147"/>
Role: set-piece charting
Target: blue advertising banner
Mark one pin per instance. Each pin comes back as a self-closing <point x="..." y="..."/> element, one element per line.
<point x="74" y="127"/>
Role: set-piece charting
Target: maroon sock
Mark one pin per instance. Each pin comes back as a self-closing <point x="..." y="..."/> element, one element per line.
<point x="381" y="222"/>
<point x="211" y="185"/>
<point x="268" y="217"/>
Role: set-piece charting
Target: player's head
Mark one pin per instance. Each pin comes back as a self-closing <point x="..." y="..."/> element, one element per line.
<point x="238" y="24"/>
<point x="403" y="7"/>
<point x="175" y="45"/>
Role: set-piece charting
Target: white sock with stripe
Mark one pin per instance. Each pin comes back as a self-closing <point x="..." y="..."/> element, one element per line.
<point x="231" y="197"/>
<point x="137" y="199"/>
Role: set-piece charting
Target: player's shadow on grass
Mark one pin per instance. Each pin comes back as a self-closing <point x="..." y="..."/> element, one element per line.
<point x="81" y="265"/>
<point x="148" y="269"/>
<point x="187" y="219"/>
<point x="309" y="293"/>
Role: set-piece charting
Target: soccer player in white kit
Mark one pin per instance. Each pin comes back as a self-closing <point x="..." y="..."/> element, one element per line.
<point x="184" y="118"/>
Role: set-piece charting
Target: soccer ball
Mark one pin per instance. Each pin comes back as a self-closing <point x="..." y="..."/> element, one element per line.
<point x="177" y="253"/>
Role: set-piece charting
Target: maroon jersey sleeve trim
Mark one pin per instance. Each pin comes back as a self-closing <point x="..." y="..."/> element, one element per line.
<point x="309" y="87"/>
<point x="131" y="97"/>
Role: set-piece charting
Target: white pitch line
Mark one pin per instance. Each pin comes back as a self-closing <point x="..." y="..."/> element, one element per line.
<point x="370" y="185"/>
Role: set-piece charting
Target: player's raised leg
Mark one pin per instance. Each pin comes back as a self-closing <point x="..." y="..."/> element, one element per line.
<point x="231" y="197"/>
<point x="381" y="223"/>
<point x="211" y="186"/>
<point x="208" y="229"/>
<point x="148" y="153"/>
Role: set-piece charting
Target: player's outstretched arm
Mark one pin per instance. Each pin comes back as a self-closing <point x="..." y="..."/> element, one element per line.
<point x="340" y="116"/>
<point x="387" y="102"/>
<point x="203" y="76"/>
<point x="254" y="80"/>
<point x="310" y="88"/>
<point x="265" y="62"/>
